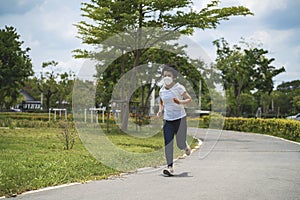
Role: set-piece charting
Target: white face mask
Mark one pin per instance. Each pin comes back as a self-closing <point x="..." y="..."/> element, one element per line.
<point x="168" y="80"/>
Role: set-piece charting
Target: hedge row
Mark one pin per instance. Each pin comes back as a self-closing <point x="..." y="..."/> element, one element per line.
<point x="25" y="123"/>
<point x="288" y="129"/>
<point x="23" y="115"/>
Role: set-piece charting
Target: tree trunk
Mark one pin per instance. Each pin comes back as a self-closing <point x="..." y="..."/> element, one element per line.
<point x="48" y="96"/>
<point x="138" y="53"/>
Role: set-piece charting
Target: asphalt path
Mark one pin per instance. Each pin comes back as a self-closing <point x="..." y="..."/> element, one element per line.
<point x="230" y="165"/>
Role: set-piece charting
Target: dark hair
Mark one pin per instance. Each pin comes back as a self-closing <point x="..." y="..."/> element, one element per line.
<point x="169" y="68"/>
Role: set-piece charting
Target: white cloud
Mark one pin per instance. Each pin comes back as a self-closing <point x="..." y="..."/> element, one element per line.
<point x="258" y="7"/>
<point x="60" y="20"/>
<point x="71" y="64"/>
<point x="262" y="7"/>
<point x="274" y="40"/>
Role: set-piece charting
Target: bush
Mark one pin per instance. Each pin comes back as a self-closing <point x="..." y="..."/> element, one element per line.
<point x="25" y="123"/>
<point x="24" y="115"/>
<point x="68" y="134"/>
<point x="32" y="116"/>
<point x="288" y="129"/>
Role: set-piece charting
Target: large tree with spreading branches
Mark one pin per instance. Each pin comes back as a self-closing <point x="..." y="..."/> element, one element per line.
<point x="146" y="18"/>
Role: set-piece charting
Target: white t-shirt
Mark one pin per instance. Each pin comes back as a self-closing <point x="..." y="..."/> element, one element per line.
<point x="172" y="110"/>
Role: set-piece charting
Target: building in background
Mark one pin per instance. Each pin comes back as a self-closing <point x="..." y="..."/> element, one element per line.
<point x="29" y="104"/>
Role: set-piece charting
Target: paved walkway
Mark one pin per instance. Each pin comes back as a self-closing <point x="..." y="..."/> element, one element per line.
<point x="241" y="166"/>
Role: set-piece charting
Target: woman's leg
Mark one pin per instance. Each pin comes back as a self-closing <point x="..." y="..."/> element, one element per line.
<point x="181" y="127"/>
<point x="169" y="131"/>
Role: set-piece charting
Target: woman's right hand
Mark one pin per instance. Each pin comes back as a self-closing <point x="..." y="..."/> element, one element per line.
<point x="159" y="114"/>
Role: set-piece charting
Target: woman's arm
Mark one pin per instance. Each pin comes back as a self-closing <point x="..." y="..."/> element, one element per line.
<point x="186" y="99"/>
<point x="160" y="108"/>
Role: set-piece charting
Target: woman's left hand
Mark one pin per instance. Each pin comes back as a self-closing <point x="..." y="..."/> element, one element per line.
<point x="176" y="100"/>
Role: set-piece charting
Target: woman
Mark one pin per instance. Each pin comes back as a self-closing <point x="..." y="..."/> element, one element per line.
<point x="172" y="98"/>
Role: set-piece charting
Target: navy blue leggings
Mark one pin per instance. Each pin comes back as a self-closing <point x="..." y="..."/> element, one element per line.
<point x="178" y="127"/>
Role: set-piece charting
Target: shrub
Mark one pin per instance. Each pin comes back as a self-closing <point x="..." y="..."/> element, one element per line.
<point x="24" y="115"/>
<point x="213" y="120"/>
<point x="25" y="123"/>
<point x="287" y="129"/>
<point x="68" y="134"/>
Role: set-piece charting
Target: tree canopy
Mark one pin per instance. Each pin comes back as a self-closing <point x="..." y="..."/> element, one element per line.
<point x="15" y="66"/>
<point x="287" y="97"/>
<point x="110" y="17"/>
<point x="244" y="71"/>
<point x="56" y="87"/>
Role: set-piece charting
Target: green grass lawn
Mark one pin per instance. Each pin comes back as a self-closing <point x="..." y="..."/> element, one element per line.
<point x="33" y="158"/>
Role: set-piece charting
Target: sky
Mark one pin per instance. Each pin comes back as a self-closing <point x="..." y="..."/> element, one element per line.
<point x="47" y="28"/>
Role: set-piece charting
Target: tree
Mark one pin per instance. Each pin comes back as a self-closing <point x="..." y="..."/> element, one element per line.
<point x="56" y="87"/>
<point x="248" y="104"/>
<point x="15" y="66"/>
<point x="47" y="82"/>
<point x="65" y="88"/>
<point x="288" y="97"/>
<point x="84" y="99"/>
<point x="111" y="17"/>
<point x="243" y="71"/>
<point x="296" y="103"/>
<point x="289" y="86"/>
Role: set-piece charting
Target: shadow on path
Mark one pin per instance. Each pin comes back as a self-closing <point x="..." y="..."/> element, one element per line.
<point x="181" y="175"/>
